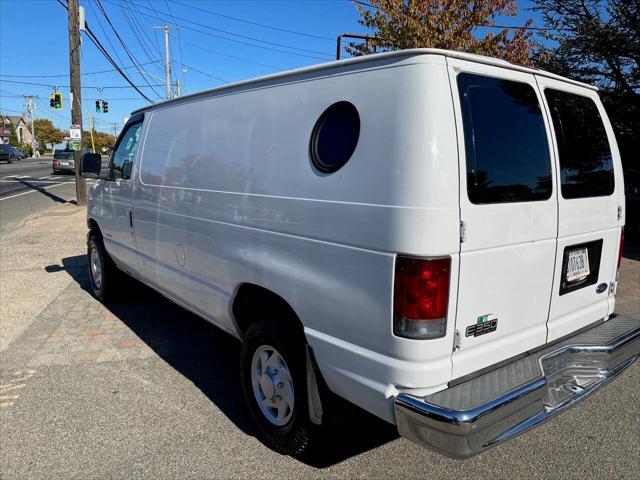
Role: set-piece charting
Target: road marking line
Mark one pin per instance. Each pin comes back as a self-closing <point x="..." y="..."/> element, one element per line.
<point x="55" y="178"/>
<point x="35" y="191"/>
<point x="46" y="176"/>
<point x="28" y="181"/>
<point x="22" y="176"/>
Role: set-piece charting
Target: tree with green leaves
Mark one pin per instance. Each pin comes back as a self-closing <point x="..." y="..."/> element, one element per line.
<point x="447" y="24"/>
<point x="101" y="140"/>
<point x="46" y="132"/>
<point x="13" y="138"/>
<point x="598" y="42"/>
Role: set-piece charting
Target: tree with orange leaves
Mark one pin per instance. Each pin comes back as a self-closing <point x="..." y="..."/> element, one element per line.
<point x="447" y="24"/>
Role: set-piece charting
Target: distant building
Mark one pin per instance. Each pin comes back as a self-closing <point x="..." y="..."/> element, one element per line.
<point x="19" y="125"/>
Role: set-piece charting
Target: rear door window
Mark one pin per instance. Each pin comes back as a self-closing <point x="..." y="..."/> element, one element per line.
<point x="586" y="165"/>
<point x="506" y="145"/>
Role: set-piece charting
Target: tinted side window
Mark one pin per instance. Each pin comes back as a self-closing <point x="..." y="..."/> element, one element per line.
<point x="125" y="153"/>
<point x="506" y="144"/>
<point x="335" y="136"/>
<point x="586" y="166"/>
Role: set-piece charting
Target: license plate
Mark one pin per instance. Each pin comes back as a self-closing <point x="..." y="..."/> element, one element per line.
<point x="578" y="265"/>
<point x="65" y="163"/>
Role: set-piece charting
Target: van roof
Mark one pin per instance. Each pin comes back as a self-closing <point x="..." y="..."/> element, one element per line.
<point x="364" y="60"/>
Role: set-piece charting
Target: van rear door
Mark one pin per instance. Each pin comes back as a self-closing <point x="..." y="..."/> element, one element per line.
<point x="508" y="209"/>
<point x="590" y="195"/>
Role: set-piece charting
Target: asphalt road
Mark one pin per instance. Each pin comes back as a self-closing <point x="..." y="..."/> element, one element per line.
<point x="29" y="187"/>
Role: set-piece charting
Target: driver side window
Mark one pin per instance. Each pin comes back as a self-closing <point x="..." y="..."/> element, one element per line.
<point x="125" y="154"/>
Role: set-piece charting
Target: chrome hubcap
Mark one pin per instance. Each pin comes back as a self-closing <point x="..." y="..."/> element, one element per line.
<point x="272" y="385"/>
<point x="96" y="267"/>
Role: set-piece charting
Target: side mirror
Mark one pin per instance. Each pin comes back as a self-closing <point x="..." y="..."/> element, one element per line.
<point x="90" y="165"/>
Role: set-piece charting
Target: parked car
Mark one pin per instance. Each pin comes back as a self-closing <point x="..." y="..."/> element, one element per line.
<point x="18" y="153"/>
<point x="430" y="235"/>
<point x="8" y="154"/>
<point x="63" y="161"/>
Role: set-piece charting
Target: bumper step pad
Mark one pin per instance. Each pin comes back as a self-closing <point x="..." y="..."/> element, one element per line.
<point x="479" y="413"/>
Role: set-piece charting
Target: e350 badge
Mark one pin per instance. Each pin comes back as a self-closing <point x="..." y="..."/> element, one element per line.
<point x="485" y="324"/>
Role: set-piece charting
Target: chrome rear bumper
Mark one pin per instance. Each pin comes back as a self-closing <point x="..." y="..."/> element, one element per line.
<point x="475" y="415"/>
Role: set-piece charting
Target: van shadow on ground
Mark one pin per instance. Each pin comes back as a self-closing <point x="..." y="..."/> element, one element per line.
<point x="208" y="357"/>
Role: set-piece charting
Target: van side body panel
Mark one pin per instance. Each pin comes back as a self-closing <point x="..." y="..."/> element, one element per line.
<point x="221" y="200"/>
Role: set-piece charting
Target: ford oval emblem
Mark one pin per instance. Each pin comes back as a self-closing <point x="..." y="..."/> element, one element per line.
<point x="601" y="288"/>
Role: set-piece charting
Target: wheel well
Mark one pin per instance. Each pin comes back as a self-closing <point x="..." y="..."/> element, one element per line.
<point x="252" y="303"/>
<point x="93" y="227"/>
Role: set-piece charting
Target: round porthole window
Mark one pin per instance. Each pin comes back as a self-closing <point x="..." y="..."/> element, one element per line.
<point x="335" y="136"/>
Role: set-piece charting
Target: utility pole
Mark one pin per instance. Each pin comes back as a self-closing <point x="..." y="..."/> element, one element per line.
<point x="30" y="106"/>
<point x="76" y="93"/>
<point x="167" y="61"/>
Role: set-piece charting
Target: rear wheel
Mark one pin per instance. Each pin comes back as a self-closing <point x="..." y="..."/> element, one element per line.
<point x="104" y="276"/>
<point x="274" y="385"/>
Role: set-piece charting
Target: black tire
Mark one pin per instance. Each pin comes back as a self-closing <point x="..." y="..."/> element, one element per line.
<point x="295" y="437"/>
<point x="111" y="276"/>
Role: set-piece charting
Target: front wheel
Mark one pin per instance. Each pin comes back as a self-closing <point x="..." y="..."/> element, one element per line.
<point x="274" y="385"/>
<point x="103" y="274"/>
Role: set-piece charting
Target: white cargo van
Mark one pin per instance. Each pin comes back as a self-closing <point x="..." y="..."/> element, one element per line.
<point x="432" y="236"/>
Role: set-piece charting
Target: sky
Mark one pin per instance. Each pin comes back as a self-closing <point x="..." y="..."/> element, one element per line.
<point x="216" y="42"/>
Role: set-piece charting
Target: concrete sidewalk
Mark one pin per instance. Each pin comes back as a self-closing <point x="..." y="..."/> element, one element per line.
<point x="30" y="269"/>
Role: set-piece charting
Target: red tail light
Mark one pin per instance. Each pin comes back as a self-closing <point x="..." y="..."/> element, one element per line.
<point x="421" y="297"/>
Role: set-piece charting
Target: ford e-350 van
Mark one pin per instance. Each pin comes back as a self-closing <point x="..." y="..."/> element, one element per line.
<point x="432" y="236"/>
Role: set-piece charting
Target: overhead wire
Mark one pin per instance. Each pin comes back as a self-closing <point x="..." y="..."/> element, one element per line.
<point x="132" y="57"/>
<point x="247" y="37"/>
<point x="233" y="56"/>
<point x="82" y="73"/>
<point x="106" y="54"/>
<point x="84" y="86"/>
<point x="137" y="32"/>
<point x="242" y="20"/>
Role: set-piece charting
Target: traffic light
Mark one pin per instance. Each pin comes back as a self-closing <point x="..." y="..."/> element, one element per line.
<point x="55" y="101"/>
<point x="97" y="106"/>
<point x="105" y="107"/>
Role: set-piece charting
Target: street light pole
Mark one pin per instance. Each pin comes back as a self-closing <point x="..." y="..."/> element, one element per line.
<point x="76" y="94"/>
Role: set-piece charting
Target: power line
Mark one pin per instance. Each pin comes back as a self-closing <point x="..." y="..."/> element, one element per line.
<point x="85" y="86"/>
<point x="87" y="73"/>
<point x="293" y="32"/>
<point x="97" y="43"/>
<point x="201" y="72"/>
<point x="240" y="36"/>
<point x="133" y="59"/>
<point x="233" y="56"/>
<point x="139" y="33"/>
<point x="106" y="35"/>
